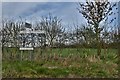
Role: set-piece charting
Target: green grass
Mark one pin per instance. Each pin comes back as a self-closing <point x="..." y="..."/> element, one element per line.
<point x="72" y="63"/>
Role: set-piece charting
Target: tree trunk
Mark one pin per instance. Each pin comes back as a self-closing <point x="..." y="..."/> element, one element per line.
<point x="51" y="45"/>
<point x="98" y="41"/>
<point x="98" y="48"/>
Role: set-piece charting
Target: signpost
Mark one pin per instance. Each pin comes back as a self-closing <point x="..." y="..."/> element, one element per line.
<point x="27" y="40"/>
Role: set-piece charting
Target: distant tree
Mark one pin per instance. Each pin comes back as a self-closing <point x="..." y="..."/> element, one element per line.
<point x="61" y="39"/>
<point x="10" y="36"/>
<point x="96" y="12"/>
<point x="40" y="37"/>
<point x="53" y="27"/>
<point x="10" y="31"/>
<point x="88" y="35"/>
<point x="77" y="34"/>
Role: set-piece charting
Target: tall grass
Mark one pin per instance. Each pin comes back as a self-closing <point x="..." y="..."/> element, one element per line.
<point x="67" y="62"/>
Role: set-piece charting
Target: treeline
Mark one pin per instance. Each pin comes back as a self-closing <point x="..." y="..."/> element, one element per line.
<point x="58" y="36"/>
<point x="92" y="35"/>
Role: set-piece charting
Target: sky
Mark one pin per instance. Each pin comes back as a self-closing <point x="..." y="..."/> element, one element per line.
<point x="51" y="0"/>
<point x="33" y="11"/>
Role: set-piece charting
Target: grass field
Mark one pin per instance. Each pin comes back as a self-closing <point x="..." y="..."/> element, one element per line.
<point x="67" y="62"/>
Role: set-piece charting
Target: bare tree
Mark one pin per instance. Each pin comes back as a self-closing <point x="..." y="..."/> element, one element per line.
<point x="53" y="27"/>
<point x="96" y="12"/>
<point x="10" y="32"/>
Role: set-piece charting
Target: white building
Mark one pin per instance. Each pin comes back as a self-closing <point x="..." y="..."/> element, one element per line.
<point x="32" y="38"/>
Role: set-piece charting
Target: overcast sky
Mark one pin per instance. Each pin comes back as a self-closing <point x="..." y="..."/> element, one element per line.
<point x="33" y="11"/>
